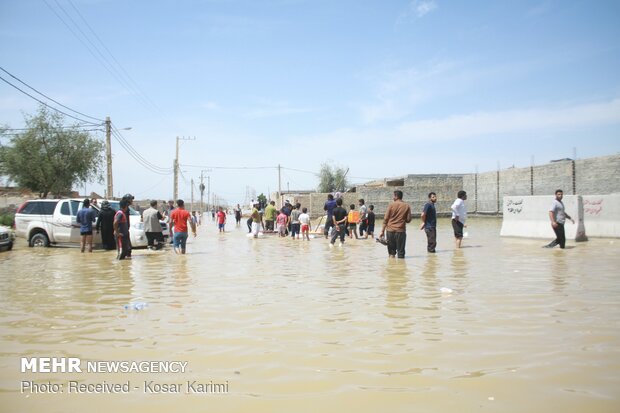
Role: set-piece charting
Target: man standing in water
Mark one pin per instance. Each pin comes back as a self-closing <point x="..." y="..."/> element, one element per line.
<point x="329" y="206"/>
<point x="395" y="221"/>
<point x="339" y="222"/>
<point x="270" y="216"/>
<point x="238" y="215"/>
<point x="152" y="227"/>
<point x="429" y="222"/>
<point x="105" y="224"/>
<point x="459" y="214"/>
<point x="180" y="217"/>
<point x="256" y="221"/>
<point x="121" y="231"/>
<point x="558" y="216"/>
<point x="85" y="218"/>
<point x="170" y="224"/>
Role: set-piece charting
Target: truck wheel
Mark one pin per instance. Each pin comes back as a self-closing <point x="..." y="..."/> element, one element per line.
<point x="39" y="239"/>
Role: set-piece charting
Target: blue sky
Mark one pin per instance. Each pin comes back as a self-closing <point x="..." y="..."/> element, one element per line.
<point x="385" y="88"/>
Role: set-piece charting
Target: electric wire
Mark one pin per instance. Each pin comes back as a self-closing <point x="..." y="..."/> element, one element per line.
<point x="136" y="153"/>
<point x="97" y="54"/>
<point x="47" y="97"/>
<point x="137" y="157"/>
<point x="104" y="63"/>
<point x="48" y="106"/>
<point x="136" y="86"/>
<point x="228" y="167"/>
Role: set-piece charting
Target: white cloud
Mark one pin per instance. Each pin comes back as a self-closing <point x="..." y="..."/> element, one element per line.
<point x="530" y="121"/>
<point x="512" y="121"/>
<point x="398" y="92"/>
<point x="422" y="8"/>
<point x="416" y="10"/>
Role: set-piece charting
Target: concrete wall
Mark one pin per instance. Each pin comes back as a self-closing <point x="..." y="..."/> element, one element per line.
<point x="601" y="215"/>
<point x="592" y="176"/>
<point x="598" y="176"/>
<point x="528" y="216"/>
<point x="487" y="200"/>
<point x="552" y="176"/>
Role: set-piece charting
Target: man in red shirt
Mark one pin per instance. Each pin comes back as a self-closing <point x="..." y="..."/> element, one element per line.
<point x="179" y="218"/>
<point x="221" y="219"/>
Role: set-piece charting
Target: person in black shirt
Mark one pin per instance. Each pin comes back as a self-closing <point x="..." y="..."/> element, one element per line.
<point x="429" y="222"/>
<point x="339" y="220"/>
<point x="370" y="224"/>
<point x="105" y="224"/>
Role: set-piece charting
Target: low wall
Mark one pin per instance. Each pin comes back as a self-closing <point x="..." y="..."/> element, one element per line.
<point x="602" y="215"/>
<point x="528" y="216"/>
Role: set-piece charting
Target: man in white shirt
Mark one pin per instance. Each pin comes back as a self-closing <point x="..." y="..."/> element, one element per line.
<point x="152" y="227"/>
<point x="459" y="215"/>
<point x="558" y="217"/>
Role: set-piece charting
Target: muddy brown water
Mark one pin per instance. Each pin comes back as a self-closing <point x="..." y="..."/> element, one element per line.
<point x="297" y="326"/>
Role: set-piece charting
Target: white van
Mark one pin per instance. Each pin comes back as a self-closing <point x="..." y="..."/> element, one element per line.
<point x="45" y="222"/>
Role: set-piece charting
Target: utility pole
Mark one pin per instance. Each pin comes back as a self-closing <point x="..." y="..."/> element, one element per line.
<point x="208" y="190"/>
<point x="192" y="200"/>
<point x="202" y="192"/>
<point x="175" y="191"/>
<point x="108" y="156"/>
<point x="279" y="186"/>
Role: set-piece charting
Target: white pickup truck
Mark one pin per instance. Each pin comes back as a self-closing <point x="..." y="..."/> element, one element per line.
<point x="54" y="221"/>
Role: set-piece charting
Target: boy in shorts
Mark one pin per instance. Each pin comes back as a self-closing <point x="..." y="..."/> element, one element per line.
<point x="353" y="219"/>
<point x="304" y="220"/>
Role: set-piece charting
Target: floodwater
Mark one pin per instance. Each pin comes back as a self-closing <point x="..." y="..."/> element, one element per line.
<point x="293" y="326"/>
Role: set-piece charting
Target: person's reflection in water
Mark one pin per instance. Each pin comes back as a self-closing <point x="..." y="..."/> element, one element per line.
<point x="559" y="271"/>
<point x="459" y="267"/>
<point x="397" y="306"/>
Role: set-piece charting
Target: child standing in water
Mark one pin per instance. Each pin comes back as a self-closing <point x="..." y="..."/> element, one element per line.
<point x="282" y="221"/>
<point x="304" y="220"/>
<point x="370" y="226"/>
<point x="221" y="219"/>
<point x="353" y="219"/>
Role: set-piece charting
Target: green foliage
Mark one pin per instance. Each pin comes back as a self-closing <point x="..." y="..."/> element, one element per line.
<point x="262" y="198"/>
<point x="7" y="219"/>
<point x="332" y="178"/>
<point x="49" y="157"/>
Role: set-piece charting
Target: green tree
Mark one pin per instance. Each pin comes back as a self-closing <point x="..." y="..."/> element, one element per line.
<point x="332" y="178"/>
<point x="51" y="158"/>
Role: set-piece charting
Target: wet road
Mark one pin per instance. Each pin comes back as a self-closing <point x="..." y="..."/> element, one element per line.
<point x="297" y="326"/>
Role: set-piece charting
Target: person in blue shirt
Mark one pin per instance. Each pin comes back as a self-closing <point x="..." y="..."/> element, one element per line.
<point x="329" y="206"/>
<point x="429" y="222"/>
<point x="85" y="218"/>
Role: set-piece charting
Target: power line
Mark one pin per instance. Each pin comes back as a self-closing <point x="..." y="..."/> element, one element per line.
<point x="136" y="155"/>
<point x="95" y="51"/>
<point x="137" y="87"/>
<point x="228" y="167"/>
<point x="131" y="148"/>
<point x="46" y="105"/>
<point x="57" y="127"/>
<point x="300" y="170"/>
<point x="47" y="97"/>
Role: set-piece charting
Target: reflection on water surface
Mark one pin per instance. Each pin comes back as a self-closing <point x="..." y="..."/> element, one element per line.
<point x="517" y="328"/>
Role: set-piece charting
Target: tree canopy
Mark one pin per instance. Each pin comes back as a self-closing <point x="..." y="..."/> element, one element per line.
<point x="49" y="157"/>
<point x="332" y="178"/>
